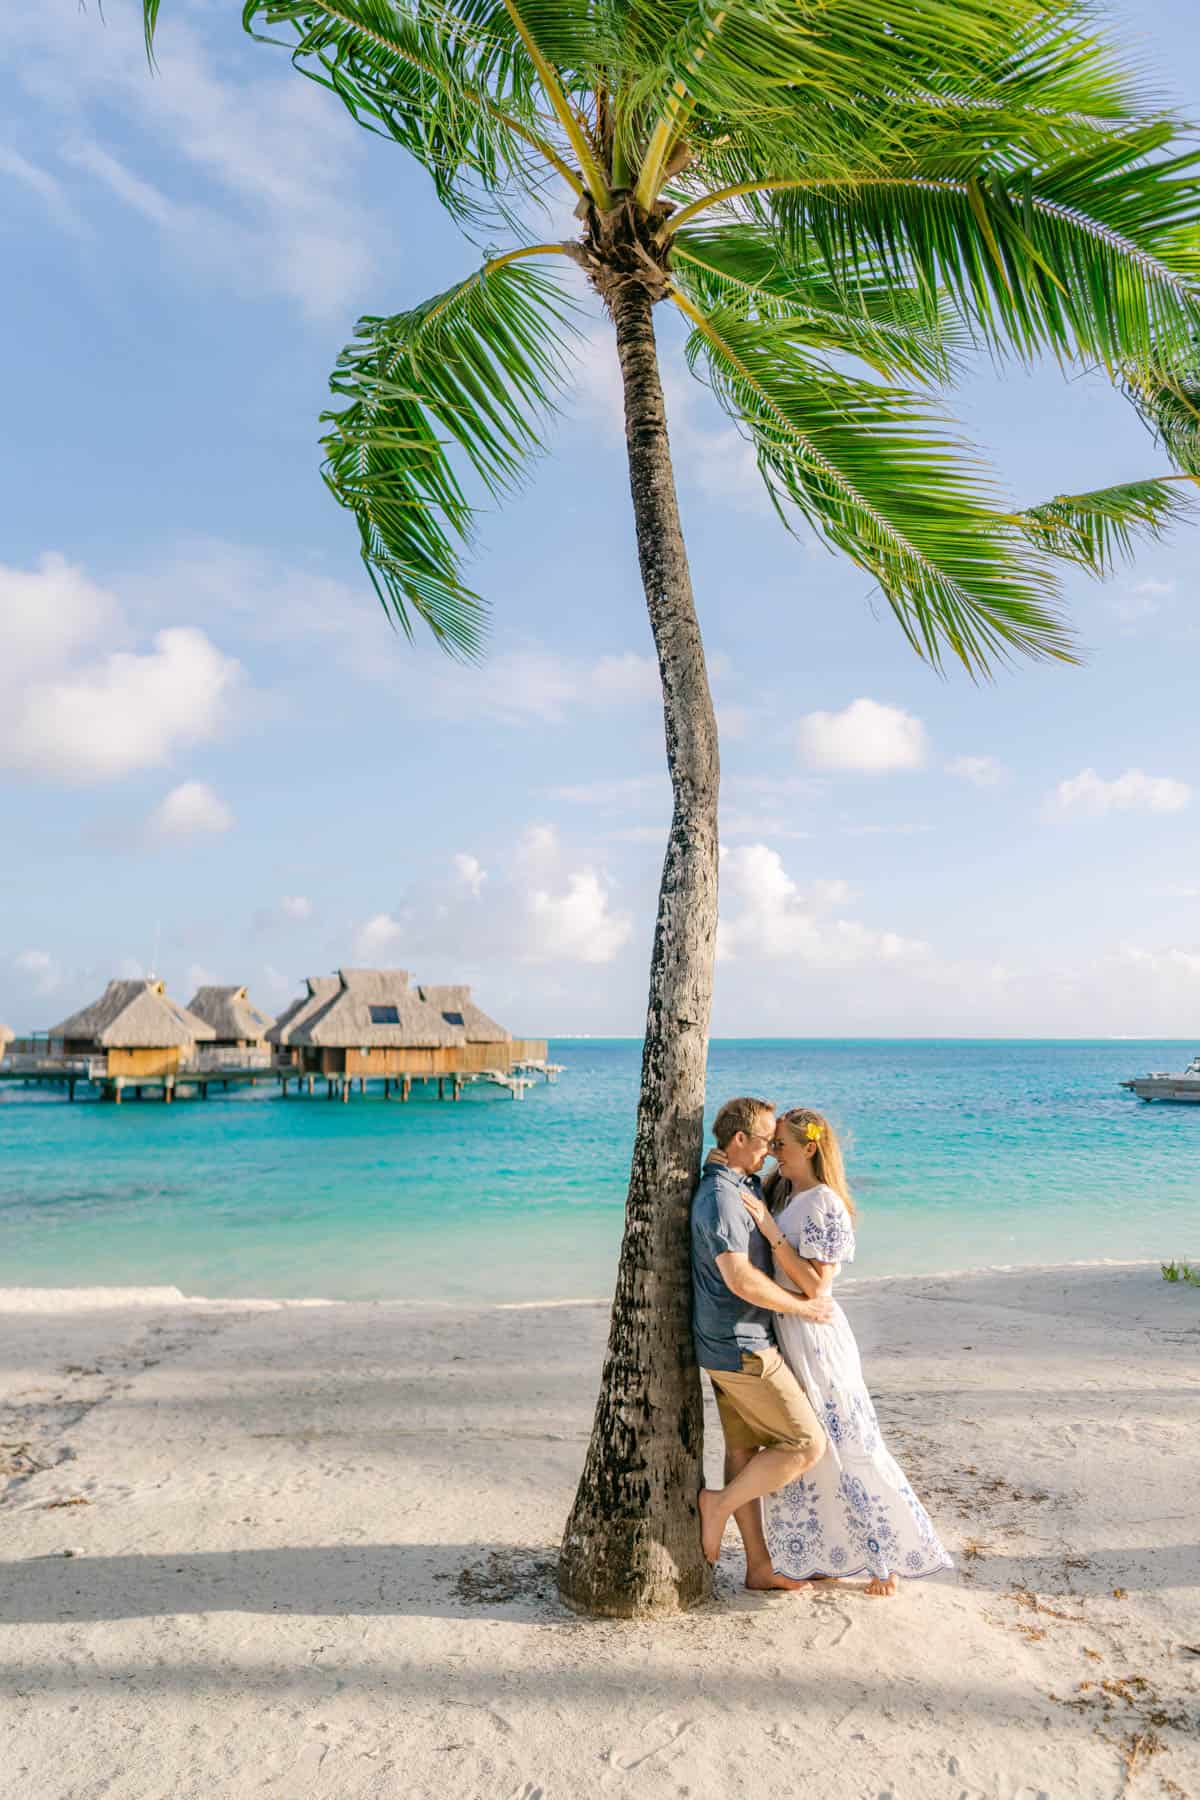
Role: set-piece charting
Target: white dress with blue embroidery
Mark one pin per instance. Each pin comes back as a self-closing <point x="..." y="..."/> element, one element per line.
<point x="854" y="1513"/>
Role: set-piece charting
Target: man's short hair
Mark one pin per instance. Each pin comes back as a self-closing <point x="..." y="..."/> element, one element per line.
<point x="739" y="1115"/>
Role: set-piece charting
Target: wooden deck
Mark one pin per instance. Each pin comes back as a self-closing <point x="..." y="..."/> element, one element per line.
<point x="95" y="1075"/>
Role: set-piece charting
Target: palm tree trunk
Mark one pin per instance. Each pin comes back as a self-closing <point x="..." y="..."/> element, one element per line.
<point x="632" y="1543"/>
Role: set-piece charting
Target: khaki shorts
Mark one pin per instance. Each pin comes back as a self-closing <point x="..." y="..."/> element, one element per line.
<point x="763" y="1406"/>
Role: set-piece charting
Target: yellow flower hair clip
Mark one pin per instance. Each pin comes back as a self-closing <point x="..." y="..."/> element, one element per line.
<point x="814" y="1132"/>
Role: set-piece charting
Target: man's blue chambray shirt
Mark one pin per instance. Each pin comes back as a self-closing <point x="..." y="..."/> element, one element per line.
<point x="725" y="1328"/>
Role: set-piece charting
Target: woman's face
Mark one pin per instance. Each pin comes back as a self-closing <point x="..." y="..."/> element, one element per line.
<point x="793" y="1156"/>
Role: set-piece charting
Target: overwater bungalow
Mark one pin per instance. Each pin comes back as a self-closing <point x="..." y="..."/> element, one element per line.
<point x="457" y="1008"/>
<point x="241" y="1030"/>
<point x="133" y="1029"/>
<point x="375" y="1024"/>
<point x="318" y="990"/>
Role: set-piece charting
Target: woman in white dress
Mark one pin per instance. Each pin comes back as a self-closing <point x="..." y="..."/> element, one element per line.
<point x="854" y="1513"/>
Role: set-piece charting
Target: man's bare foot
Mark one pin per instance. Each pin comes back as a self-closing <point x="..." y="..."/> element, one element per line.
<point x="885" y="1590"/>
<point x="712" y="1525"/>
<point x="765" y="1581"/>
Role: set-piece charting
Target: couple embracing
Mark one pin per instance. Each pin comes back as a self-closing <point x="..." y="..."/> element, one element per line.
<point x="800" y="1429"/>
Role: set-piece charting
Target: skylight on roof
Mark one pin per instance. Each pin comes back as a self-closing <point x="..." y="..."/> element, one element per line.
<point x="385" y="1015"/>
<point x="453" y="1018"/>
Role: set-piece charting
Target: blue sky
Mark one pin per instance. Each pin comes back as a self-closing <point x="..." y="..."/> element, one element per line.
<point x="217" y="759"/>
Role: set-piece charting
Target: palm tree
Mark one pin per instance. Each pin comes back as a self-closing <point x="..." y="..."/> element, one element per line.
<point x="838" y="198"/>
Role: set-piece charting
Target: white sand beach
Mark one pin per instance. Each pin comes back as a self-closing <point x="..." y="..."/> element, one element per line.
<point x="296" y="1550"/>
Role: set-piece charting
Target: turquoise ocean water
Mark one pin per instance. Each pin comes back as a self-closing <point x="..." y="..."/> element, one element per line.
<point x="960" y="1153"/>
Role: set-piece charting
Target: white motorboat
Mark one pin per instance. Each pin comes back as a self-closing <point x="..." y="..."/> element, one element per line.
<point x="1161" y="1085"/>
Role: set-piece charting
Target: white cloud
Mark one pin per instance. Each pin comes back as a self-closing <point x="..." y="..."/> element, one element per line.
<point x="40" y="967"/>
<point x="1133" y="791"/>
<point x="470" y="872"/>
<point x="904" y="830"/>
<point x="576" y="924"/>
<point x="49" y="613"/>
<point x="374" y="938"/>
<point x="49" y="190"/>
<point x="297" y="907"/>
<point x="867" y="736"/>
<point x="71" y="713"/>
<point x="125" y="712"/>
<point x="542" y="906"/>
<point x="766" y="914"/>
<point x="275" y="156"/>
<point x="980" y="771"/>
<point x="190" y="810"/>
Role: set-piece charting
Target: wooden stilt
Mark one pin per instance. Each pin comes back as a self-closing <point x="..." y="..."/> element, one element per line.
<point x="458" y="1090"/>
<point x="406" y="1090"/>
<point x="345" y="1091"/>
<point x="310" y="1084"/>
<point x="441" y="1087"/>
<point x="284" y="1087"/>
<point x="117" y="1093"/>
<point x="70" y="1090"/>
<point x="329" y="1090"/>
<point x="362" y="1085"/>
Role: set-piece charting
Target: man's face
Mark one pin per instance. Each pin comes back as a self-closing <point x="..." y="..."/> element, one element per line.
<point x="747" y="1150"/>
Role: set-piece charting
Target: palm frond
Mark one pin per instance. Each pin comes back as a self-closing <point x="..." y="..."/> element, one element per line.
<point x="1100" y="529"/>
<point x="1098" y="256"/>
<point x="413" y="73"/>
<point x="871" y="469"/>
<point x="895" y="330"/>
<point x="839" y="85"/>
<point x="1168" y="400"/>
<point x="475" y="370"/>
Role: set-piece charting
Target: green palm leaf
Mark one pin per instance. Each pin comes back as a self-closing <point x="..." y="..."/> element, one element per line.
<point x="1100" y="529"/>
<point x="474" y="370"/>
<point x="1098" y="256"/>
<point x="404" y="72"/>
<point x="1168" y="400"/>
<point x="869" y="468"/>
<point x="853" y="84"/>
<point x="895" y="330"/>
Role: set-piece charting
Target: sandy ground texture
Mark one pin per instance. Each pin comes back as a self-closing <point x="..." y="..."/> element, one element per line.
<point x="268" y="1550"/>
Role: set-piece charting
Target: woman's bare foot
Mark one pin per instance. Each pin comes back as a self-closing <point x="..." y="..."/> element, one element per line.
<point x="885" y="1590"/>
<point x="766" y="1581"/>
<point x="712" y="1525"/>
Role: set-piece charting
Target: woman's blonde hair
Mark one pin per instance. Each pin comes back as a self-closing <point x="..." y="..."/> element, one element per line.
<point x="805" y="1126"/>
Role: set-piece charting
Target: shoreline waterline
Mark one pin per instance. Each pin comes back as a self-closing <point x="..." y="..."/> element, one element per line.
<point x="99" y="1299"/>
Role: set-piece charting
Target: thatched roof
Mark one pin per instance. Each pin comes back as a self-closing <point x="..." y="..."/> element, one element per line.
<point x="375" y="1009"/>
<point x="230" y="1014"/>
<point x="457" y="1008"/>
<point x="135" y="1015"/>
<point x="320" y="989"/>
